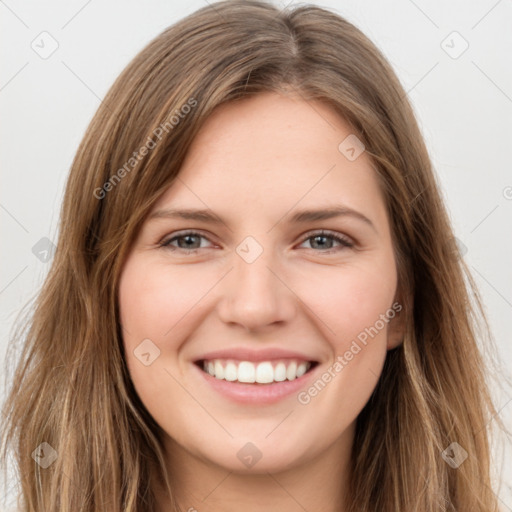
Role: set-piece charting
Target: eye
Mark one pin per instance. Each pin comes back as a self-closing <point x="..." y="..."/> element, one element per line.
<point x="187" y="241"/>
<point x="188" y="246"/>
<point x="320" y="237"/>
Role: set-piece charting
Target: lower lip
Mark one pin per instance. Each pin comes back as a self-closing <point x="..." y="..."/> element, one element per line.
<point x="257" y="393"/>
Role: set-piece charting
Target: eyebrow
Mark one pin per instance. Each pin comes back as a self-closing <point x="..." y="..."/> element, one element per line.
<point x="299" y="217"/>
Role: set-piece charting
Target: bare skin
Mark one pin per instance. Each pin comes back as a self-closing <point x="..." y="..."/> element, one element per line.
<point x="255" y="163"/>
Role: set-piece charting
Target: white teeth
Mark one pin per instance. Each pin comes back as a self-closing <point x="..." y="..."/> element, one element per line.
<point x="231" y="372"/>
<point x="264" y="372"/>
<point x="246" y="372"/>
<point x="280" y="372"/>
<point x="291" y="371"/>
<point x="219" y="370"/>
<point x="301" y="369"/>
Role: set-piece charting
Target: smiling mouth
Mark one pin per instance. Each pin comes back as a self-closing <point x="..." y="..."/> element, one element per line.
<point x="262" y="372"/>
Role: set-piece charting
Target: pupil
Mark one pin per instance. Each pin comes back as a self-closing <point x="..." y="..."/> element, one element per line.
<point x="187" y="238"/>
<point x="320" y="237"/>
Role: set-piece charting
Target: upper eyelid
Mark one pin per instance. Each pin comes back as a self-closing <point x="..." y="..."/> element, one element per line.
<point x="179" y="234"/>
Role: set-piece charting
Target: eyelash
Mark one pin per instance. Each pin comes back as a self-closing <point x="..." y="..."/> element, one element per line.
<point x="345" y="242"/>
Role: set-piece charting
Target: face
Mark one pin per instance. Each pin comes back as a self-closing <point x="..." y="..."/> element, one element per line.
<point x="260" y="292"/>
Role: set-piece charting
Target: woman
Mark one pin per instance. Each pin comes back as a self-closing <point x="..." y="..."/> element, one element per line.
<point x="253" y="370"/>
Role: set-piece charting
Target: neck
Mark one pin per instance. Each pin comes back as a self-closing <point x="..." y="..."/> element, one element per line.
<point x="318" y="483"/>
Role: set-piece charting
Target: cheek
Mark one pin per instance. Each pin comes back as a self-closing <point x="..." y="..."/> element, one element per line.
<point x="156" y="304"/>
<point x="155" y="300"/>
<point x="351" y="309"/>
<point x="349" y="299"/>
<point x="164" y="305"/>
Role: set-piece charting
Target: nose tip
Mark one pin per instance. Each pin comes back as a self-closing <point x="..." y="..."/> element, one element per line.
<point x="254" y="296"/>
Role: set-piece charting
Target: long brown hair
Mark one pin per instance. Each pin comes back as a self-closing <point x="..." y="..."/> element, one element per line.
<point x="71" y="388"/>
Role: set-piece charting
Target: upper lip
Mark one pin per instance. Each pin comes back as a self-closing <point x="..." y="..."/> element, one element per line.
<point x="246" y="354"/>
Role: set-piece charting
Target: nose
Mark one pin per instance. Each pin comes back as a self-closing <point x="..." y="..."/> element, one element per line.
<point x="255" y="295"/>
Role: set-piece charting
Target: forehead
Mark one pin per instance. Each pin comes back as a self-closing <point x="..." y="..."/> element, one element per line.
<point x="266" y="154"/>
<point x="267" y="126"/>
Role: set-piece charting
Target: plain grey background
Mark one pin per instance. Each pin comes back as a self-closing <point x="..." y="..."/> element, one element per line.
<point x="454" y="60"/>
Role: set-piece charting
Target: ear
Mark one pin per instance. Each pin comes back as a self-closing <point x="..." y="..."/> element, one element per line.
<point x="396" y="324"/>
